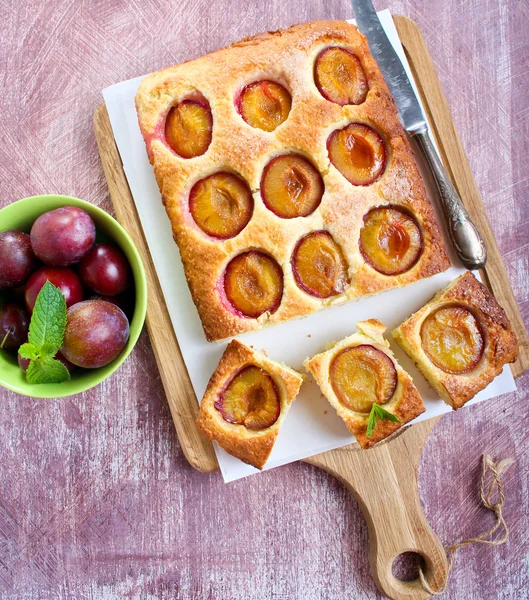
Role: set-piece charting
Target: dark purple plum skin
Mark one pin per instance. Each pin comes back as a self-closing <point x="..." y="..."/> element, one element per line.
<point x="96" y="333"/>
<point x="17" y="259"/>
<point x="61" y="237"/>
<point x="105" y="270"/>
<point x="14" y="326"/>
<point x="63" y="278"/>
<point x="123" y="301"/>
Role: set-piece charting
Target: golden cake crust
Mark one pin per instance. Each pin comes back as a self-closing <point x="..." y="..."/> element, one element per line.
<point x="406" y="403"/>
<point x="251" y="446"/>
<point x="501" y="345"/>
<point x="286" y="57"/>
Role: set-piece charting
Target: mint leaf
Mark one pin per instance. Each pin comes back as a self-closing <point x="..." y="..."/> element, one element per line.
<point x="46" y="332"/>
<point x="48" y="321"/>
<point x="47" y="370"/>
<point x="372" y="421"/>
<point x="377" y="412"/>
<point x="28" y="351"/>
<point x="382" y="413"/>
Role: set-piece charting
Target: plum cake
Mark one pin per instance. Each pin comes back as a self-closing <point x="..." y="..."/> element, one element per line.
<point x="460" y="340"/>
<point x="288" y="179"/>
<point x="361" y="371"/>
<point x="246" y="401"/>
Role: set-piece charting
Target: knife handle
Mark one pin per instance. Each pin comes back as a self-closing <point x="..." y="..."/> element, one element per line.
<point x="465" y="237"/>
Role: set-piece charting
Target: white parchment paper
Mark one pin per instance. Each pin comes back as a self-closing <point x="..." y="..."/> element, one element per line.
<point x="312" y="426"/>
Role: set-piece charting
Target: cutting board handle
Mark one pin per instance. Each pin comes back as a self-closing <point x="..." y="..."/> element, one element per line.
<point x="384" y="481"/>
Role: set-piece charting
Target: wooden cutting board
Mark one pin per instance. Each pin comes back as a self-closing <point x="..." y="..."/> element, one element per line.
<point x="390" y="501"/>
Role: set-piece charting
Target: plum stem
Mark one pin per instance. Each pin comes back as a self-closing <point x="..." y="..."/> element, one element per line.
<point x="9" y="331"/>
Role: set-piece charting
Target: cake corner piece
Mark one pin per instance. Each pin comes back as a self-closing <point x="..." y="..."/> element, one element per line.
<point x="246" y="402"/>
<point x="460" y="340"/>
<point x="358" y="372"/>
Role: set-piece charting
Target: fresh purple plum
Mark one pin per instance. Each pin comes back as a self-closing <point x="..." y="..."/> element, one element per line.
<point x="14" y="326"/>
<point x="61" y="237"/>
<point x="17" y="259"/>
<point x="96" y="333"/>
<point x="126" y="303"/>
<point x="105" y="270"/>
<point x="65" y="279"/>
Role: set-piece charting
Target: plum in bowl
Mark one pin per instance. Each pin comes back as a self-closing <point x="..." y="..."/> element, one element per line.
<point x="21" y="216"/>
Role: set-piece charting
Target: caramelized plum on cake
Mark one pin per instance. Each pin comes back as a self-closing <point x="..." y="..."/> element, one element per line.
<point x="264" y="105"/>
<point x="188" y="128"/>
<point x="221" y="204"/>
<point x="390" y="240"/>
<point x="358" y="152"/>
<point x="251" y="399"/>
<point x="340" y="77"/>
<point x="452" y="339"/>
<point x="319" y="266"/>
<point x="291" y="186"/>
<point x="361" y="376"/>
<point x="253" y="283"/>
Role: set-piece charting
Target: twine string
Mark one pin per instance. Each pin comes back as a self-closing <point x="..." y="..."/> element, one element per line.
<point x="492" y="498"/>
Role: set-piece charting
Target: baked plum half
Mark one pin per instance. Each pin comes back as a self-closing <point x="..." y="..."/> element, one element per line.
<point x="362" y="375"/>
<point x="452" y="339"/>
<point x="291" y="186"/>
<point x="251" y="399"/>
<point x="340" y="77"/>
<point x="188" y="128"/>
<point x="264" y="104"/>
<point x="390" y="240"/>
<point x="319" y="266"/>
<point x="221" y="205"/>
<point x="358" y="152"/>
<point x="253" y="282"/>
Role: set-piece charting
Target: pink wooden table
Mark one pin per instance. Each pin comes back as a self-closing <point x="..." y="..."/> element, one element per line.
<point x="96" y="498"/>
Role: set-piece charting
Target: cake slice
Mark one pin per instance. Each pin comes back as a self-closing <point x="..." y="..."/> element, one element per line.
<point x="360" y="371"/>
<point x="246" y="402"/>
<point x="460" y="340"/>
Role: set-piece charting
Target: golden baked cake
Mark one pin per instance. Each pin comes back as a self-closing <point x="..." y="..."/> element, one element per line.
<point x="288" y="179"/>
<point x="360" y="371"/>
<point x="460" y="340"/>
<point x="246" y="402"/>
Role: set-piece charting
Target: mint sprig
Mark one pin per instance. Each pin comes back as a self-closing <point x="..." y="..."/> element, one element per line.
<point x="46" y="333"/>
<point x="377" y="412"/>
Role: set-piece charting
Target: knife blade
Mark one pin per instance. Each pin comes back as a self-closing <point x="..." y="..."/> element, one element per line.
<point x="389" y="63"/>
<point x="464" y="235"/>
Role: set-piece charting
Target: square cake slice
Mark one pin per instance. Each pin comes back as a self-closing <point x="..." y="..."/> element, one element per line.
<point x="246" y="402"/>
<point x="360" y="371"/>
<point x="460" y="340"/>
<point x="288" y="179"/>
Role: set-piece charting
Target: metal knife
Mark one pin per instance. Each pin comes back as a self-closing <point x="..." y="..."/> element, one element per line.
<point x="465" y="237"/>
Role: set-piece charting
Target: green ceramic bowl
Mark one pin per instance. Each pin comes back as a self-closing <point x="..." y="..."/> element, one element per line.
<point x="21" y="215"/>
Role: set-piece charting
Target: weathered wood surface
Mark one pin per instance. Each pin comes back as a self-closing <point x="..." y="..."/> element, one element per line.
<point x="96" y="498"/>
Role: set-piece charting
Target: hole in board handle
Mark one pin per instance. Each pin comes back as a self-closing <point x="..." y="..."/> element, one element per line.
<point x="406" y="566"/>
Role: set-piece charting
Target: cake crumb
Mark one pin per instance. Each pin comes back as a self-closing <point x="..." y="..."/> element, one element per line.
<point x="309" y="335"/>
